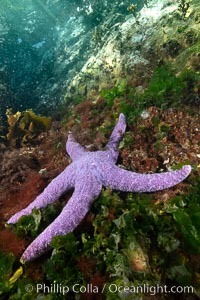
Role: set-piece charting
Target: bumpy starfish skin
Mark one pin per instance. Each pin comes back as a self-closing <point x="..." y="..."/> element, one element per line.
<point x="88" y="172"/>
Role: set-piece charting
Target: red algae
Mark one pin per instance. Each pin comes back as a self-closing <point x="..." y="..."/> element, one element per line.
<point x="10" y="243"/>
<point x="12" y="202"/>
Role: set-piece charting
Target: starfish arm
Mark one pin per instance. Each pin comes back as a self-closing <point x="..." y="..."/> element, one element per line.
<point x="72" y="214"/>
<point x="116" y="136"/>
<point x="128" y="181"/>
<point x="52" y="192"/>
<point x="73" y="148"/>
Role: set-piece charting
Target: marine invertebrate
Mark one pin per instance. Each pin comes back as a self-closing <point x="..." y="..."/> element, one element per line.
<point x="88" y="172"/>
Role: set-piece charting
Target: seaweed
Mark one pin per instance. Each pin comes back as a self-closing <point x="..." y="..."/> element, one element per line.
<point x="183" y="7"/>
<point x="6" y="266"/>
<point x="117" y="91"/>
<point x="165" y="88"/>
<point x="25" y="126"/>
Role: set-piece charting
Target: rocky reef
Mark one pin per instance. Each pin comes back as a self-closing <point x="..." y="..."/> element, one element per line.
<point x="159" y="33"/>
<point x="83" y="71"/>
<point x="91" y="49"/>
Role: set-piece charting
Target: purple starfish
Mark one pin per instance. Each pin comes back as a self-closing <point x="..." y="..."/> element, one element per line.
<point x="88" y="172"/>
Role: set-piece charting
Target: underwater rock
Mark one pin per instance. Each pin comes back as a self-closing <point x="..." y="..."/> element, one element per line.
<point x="156" y="35"/>
<point x="92" y="47"/>
<point x="15" y="168"/>
<point x="172" y="48"/>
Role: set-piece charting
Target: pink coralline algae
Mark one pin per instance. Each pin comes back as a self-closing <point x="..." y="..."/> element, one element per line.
<point x="88" y="172"/>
